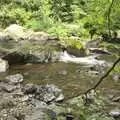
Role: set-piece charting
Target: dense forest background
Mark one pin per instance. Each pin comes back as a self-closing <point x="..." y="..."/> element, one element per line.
<point x="62" y="17"/>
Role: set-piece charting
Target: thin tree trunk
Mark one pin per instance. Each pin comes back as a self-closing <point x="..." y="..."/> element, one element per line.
<point x="108" y="18"/>
<point x="102" y="78"/>
<point x="99" y="82"/>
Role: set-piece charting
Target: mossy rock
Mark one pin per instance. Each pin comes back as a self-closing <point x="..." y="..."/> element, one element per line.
<point x="76" y="52"/>
<point x="74" y="47"/>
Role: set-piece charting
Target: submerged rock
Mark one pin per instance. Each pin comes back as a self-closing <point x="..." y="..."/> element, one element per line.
<point x="3" y="65"/>
<point x="116" y="77"/>
<point x="63" y="72"/>
<point x="14" y="79"/>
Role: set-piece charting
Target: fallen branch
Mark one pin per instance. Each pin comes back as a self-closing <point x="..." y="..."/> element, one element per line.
<point x="86" y="93"/>
<point x="101" y="79"/>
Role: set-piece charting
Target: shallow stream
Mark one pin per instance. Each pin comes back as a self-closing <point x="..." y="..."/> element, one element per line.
<point x="70" y="77"/>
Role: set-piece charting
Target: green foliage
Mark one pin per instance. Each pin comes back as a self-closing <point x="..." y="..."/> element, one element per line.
<point x="37" y="25"/>
<point x="56" y="16"/>
<point x="75" y="43"/>
<point x="11" y="15"/>
<point x="117" y="69"/>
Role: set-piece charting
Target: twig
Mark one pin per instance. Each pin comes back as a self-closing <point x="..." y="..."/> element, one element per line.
<point x="102" y="78"/>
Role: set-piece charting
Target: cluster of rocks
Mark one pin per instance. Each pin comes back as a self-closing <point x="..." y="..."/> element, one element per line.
<point x="25" y="102"/>
<point x="20" y="45"/>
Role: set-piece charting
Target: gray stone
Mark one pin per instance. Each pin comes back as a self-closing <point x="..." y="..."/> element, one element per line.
<point x="60" y="98"/>
<point x="76" y="52"/>
<point x="116" y="77"/>
<point x="63" y="72"/>
<point x="3" y="65"/>
<point x="93" y="43"/>
<point x="38" y="36"/>
<point x="6" y="103"/>
<point x="28" y="46"/>
<point x="29" y="88"/>
<point x="7" y="87"/>
<point x="49" y="93"/>
<point x="25" y="98"/>
<point x="14" y="79"/>
<point x="115" y="113"/>
<point x="37" y="114"/>
<point x="116" y="99"/>
<point x="19" y="115"/>
<point x="99" y="51"/>
<point x="15" y="31"/>
<point x="5" y="37"/>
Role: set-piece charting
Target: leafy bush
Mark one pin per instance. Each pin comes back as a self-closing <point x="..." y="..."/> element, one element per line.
<point x="55" y="16"/>
<point x="39" y="25"/>
<point x="12" y="16"/>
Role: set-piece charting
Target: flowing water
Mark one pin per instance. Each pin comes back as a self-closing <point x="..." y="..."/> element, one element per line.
<point x="71" y="76"/>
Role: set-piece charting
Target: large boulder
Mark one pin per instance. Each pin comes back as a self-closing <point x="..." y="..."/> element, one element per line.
<point x="76" y="52"/>
<point x="3" y="65"/>
<point x="19" y="45"/>
<point x="15" y="31"/>
<point x="15" y="57"/>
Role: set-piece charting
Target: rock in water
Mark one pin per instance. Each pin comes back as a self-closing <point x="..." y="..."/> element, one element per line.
<point x="29" y="88"/>
<point x="99" y="51"/>
<point x="49" y="93"/>
<point x="14" y="79"/>
<point x="115" y="113"/>
<point x="116" y="77"/>
<point x="3" y="65"/>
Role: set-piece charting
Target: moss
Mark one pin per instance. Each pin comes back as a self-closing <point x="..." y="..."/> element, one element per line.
<point x="72" y="42"/>
<point x="116" y="69"/>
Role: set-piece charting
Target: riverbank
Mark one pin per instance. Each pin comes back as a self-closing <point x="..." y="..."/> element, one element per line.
<point x="47" y="72"/>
